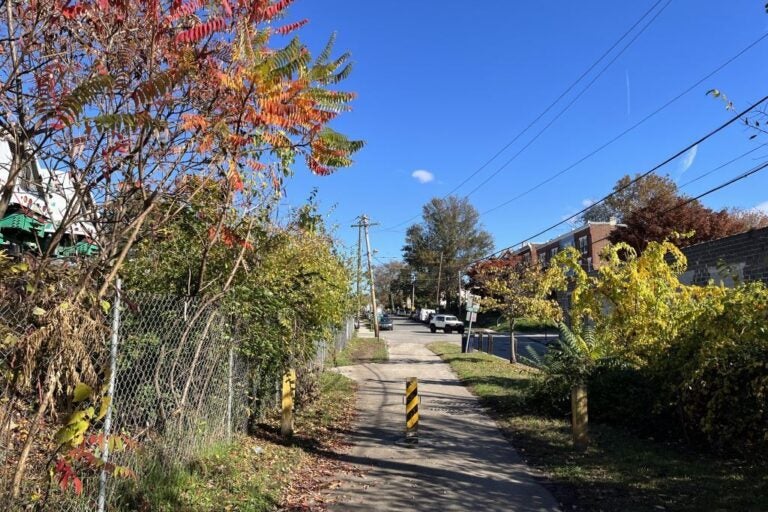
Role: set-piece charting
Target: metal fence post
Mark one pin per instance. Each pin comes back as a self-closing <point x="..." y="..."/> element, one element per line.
<point x="230" y="393"/>
<point x="110" y="393"/>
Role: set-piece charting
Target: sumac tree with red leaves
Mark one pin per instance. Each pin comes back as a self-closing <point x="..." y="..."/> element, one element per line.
<point x="137" y="103"/>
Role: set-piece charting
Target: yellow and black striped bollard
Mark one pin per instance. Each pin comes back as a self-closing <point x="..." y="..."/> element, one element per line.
<point x="412" y="410"/>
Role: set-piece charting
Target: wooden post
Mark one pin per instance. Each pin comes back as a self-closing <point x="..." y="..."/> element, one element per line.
<point x="289" y="391"/>
<point x="579" y="416"/>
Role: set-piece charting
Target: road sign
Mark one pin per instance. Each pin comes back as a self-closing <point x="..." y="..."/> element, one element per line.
<point x="473" y="303"/>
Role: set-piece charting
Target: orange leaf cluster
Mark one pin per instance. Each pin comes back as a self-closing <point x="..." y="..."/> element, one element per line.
<point x="193" y="122"/>
<point x="229" y="238"/>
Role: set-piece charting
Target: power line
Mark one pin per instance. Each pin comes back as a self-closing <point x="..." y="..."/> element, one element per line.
<point x="744" y="175"/>
<point x="618" y="136"/>
<point x="557" y="100"/>
<point x="702" y="176"/>
<point x="628" y="130"/>
<point x="570" y="104"/>
<point x="570" y="88"/>
<point x="740" y="177"/>
<point x="633" y="181"/>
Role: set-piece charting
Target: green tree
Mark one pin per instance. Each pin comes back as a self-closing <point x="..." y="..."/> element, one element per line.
<point x="449" y="237"/>
<point x="390" y="284"/>
<point x="628" y="197"/>
<point x="517" y="289"/>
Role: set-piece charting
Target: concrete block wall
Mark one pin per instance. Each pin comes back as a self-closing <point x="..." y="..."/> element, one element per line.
<point x="742" y="257"/>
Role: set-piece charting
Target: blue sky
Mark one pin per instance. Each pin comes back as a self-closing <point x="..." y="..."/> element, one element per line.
<point x="444" y="85"/>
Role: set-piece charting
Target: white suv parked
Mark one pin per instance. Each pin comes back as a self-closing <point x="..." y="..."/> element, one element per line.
<point x="447" y="323"/>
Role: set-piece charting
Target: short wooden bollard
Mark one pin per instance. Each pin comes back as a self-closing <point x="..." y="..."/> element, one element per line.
<point x="289" y="391"/>
<point x="412" y="410"/>
<point x="579" y="416"/>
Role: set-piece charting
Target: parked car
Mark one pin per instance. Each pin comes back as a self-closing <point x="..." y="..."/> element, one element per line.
<point x="424" y="314"/>
<point x="386" y="324"/>
<point x="448" y="323"/>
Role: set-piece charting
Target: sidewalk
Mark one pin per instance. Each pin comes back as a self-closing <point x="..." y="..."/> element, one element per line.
<point x="462" y="462"/>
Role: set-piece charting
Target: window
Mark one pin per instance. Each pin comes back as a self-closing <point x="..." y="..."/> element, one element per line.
<point x="552" y="252"/>
<point x="583" y="244"/>
<point x="27" y="177"/>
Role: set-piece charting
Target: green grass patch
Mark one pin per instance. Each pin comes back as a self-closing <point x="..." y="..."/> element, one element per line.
<point x="361" y="351"/>
<point x="253" y="472"/>
<point x="619" y="471"/>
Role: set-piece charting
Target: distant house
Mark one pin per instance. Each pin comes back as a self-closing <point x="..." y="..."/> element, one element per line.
<point x="588" y="239"/>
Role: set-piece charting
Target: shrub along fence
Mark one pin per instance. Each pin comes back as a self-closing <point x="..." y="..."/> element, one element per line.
<point x="171" y="384"/>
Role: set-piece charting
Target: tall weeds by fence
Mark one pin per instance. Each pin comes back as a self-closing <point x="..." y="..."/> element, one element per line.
<point x="175" y="385"/>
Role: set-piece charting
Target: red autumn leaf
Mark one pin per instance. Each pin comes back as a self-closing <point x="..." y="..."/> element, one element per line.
<point x="236" y="181"/>
<point x="276" y="8"/>
<point x="73" y="11"/>
<point x="287" y="29"/>
<point x="227" y="8"/>
<point x="200" y="31"/>
<point x="67" y="475"/>
<point x="78" y="485"/>
<point x="179" y="10"/>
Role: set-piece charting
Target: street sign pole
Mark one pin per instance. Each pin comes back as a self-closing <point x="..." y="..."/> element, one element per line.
<point x="473" y="306"/>
<point x="469" y="333"/>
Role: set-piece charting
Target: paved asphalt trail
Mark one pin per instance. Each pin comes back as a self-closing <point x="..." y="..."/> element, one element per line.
<point x="462" y="462"/>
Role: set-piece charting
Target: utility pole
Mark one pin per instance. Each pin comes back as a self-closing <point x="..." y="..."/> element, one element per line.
<point x="359" y="259"/>
<point x="365" y="224"/>
<point x="458" y="300"/>
<point x="439" y="277"/>
<point x="413" y="292"/>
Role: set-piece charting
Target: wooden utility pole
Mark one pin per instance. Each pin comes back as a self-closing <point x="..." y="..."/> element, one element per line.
<point x="458" y="300"/>
<point x="359" y="264"/>
<point x="364" y="223"/>
<point x="439" y="277"/>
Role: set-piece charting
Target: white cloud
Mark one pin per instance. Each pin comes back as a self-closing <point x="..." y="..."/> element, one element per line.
<point x="688" y="159"/>
<point x="587" y="202"/>
<point x="762" y="207"/>
<point x="423" y="176"/>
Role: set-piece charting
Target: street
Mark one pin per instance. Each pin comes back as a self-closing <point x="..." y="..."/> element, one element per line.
<point x="461" y="462"/>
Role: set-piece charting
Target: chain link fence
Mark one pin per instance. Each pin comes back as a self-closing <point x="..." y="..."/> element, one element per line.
<point x="341" y="337"/>
<point x="175" y="386"/>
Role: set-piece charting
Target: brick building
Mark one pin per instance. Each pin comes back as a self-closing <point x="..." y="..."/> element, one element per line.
<point x="589" y="239"/>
